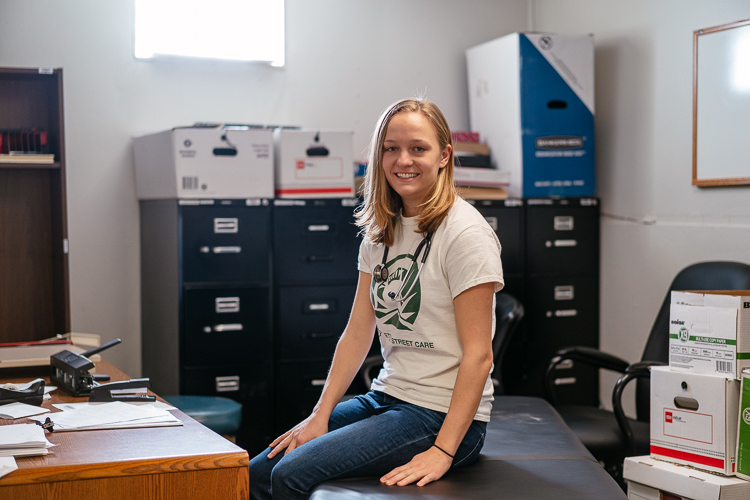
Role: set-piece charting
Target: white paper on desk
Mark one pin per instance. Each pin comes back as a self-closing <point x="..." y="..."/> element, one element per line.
<point x="7" y="465"/>
<point x="23" y="440"/>
<point x="19" y="410"/>
<point x="109" y="416"/>
<point x="22" y="436"/>
<point x="156" y="404"/>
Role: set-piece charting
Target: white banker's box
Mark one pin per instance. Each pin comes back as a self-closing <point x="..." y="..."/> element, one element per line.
<point x="694" y="419"/>
<point x="205" y="162"/>
<point x="709" y="332"/>
<point x="531" y="97"/>
<point x="648" y="478"/>
<point x="314" y="164"/>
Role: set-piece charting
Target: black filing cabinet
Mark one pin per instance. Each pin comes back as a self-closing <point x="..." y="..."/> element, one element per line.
<point x="206" y="304"/>
<point x="561" y="295"/>
<point x="315" y="263"/>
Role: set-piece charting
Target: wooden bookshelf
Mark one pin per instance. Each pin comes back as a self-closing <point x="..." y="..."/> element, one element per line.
<point x="34" y="297"/>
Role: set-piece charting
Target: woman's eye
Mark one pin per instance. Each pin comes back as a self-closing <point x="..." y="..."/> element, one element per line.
<point x="392" y="148"/>
<point x="419" y="149"/>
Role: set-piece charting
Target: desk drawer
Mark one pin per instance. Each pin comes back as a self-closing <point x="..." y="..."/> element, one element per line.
<point x="226" y="326"/>
<point x="311" y="320"/>
<point x="315" y="243"/>
<point x="226" y="243"/>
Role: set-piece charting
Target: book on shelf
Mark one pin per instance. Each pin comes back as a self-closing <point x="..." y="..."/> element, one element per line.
<point x="27" y="158"/>
<point x="481" y="177"/>
<point x="481" y="193"/>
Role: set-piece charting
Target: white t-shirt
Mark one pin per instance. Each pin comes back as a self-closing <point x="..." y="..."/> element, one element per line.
<point x="418" y="336"/>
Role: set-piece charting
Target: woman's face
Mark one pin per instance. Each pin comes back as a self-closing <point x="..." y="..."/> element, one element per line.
<point x="412" y="158"/>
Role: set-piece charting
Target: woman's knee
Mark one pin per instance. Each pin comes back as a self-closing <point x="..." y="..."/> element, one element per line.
<point x="288" y="477"/>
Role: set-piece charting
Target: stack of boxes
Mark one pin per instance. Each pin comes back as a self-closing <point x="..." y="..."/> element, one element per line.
<point x="531" y="99"/>
<point x="698" y="418"/>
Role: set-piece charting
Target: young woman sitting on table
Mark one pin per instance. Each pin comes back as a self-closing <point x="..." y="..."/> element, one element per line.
<point x="429" y="266"/>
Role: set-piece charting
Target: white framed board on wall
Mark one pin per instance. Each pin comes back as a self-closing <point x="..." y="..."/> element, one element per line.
<point x="721" y="105"/>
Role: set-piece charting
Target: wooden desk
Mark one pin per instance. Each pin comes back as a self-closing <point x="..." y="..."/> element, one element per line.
<point x="183" y="462"/>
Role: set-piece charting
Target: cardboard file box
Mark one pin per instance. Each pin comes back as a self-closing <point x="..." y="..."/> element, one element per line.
<point x="709" y="332"/>
<point x="650" y="479"/>
<point x="531" y="97"/>
<point x="314" y="164"/>
<point x="205" y="162"/>
<point x="694" y="419"/>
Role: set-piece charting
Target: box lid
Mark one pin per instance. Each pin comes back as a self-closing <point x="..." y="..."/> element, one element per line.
<point x="684" y="481"/>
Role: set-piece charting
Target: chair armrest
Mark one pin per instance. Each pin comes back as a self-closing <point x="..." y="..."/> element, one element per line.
<point x="587" y="355"/>
<point x="640" y="369"/>
<point x="368" y="364"/>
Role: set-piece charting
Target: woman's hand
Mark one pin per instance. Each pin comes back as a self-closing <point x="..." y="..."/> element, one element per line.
<point x="305" y="431"/>
<point x="425" y="467"/>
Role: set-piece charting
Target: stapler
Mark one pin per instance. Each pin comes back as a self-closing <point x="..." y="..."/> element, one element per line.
<point x="128" y="391"/>
<point x="32" y="395"/>
<point x="70" y="372"/>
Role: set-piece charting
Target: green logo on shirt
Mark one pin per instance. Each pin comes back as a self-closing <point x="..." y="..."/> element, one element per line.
<point x="400" y="313"/>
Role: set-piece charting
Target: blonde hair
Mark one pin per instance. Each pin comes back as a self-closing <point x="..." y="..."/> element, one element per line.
<point x="382" y="205"/>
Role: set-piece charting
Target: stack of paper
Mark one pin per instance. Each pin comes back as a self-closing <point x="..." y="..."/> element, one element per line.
<point x="115" y="415"/>
<point x="18" y="440"/>
<point x="13" y="411"/>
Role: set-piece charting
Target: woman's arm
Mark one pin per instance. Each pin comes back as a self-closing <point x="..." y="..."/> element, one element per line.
<point x="474" y="323"/>
<point x="350" y="352"/>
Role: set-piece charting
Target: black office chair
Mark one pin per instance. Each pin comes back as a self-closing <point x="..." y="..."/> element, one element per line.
<point x="611" y="436"/>
<point x="508" y="313"/>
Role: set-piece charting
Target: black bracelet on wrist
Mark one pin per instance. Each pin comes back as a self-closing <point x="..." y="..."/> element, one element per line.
<point x="439" y="448"/>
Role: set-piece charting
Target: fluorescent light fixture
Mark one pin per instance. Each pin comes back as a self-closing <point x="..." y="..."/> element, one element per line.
<point x="244" y="30"/>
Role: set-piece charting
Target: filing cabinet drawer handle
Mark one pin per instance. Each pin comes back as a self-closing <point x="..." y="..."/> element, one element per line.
<point x="563" y="313"/>
<point x="221" y="249"/>
<point x="319" y="307"/>
<point x="565" y="381"/>
<point x="233" y="327"/>
<point x="561" y="243"/>
<point x="318" y="382"/>
<point x="318" y="227"/>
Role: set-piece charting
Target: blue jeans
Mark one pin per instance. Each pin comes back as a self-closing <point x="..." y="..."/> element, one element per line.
<point x="368" y="435"/>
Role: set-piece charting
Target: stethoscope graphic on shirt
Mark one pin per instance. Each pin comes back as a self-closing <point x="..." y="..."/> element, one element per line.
<point x="408" y="282"/>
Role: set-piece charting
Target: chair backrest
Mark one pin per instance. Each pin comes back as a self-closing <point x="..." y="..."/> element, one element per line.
<point x="700" y="276"/>
<point x="508" y="313"/>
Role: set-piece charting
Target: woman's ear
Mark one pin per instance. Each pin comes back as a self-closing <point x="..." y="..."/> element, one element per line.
<point x="445" y="155"/>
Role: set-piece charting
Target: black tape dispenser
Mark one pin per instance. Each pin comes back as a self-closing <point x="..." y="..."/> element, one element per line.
<point x="31" y="395"/>
<point x="70" y="372"/>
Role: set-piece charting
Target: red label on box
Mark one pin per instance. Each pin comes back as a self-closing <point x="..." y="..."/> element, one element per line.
<point x="300" y="164"/>
<point x="668" y="417"/>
